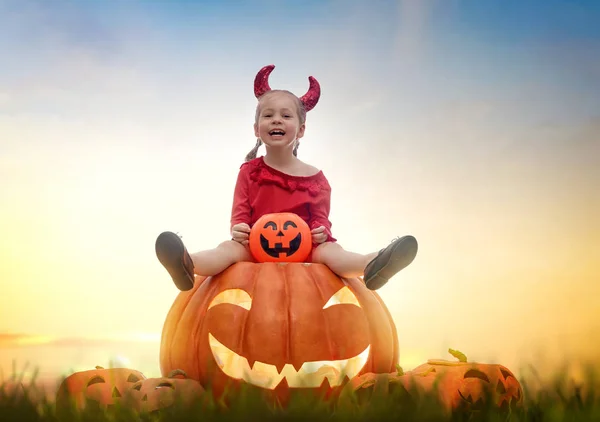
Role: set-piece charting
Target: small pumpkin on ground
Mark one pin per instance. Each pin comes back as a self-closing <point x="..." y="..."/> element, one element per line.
<point x="459" y="385"/>
<point x="280" y="237"/>
<point x="464" y="384"/>
<point x="100" y="388"/>
<point x="152" y="394"/>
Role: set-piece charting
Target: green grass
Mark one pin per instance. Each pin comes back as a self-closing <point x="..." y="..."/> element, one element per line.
<point x="556" y="400"/>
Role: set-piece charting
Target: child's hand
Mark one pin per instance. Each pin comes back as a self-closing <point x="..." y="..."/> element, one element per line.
<point x="240" y="233"/>
<point x="319" y="235"/>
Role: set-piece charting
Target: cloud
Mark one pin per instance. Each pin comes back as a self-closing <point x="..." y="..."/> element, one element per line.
<point x="41" y="24"/>
<point x="19" y="340"/>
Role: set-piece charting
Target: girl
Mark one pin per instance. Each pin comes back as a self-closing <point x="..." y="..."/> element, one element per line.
<point x="280" y="182"/>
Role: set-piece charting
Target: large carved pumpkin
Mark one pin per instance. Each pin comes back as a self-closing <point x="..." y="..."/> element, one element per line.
<point x="280" y="237"/>
<point x="100" y="388"/>
<point x="279" y="327"/>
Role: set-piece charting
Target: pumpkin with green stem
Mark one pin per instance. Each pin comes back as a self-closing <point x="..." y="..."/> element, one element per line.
<point x="458" y="385"/>
<point x="464" y="384"/>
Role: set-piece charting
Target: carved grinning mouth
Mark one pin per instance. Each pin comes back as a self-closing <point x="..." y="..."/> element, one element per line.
<point x="309" y="375"/>
<point x="278" y="249"/>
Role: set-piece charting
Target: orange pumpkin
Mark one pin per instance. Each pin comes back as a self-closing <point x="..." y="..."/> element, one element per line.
<point x="281" y="237"/>
<point x="368" y="385"/>
<point x="467" y="385"/>
<point x="460" y="386"/>
<point x="11" y="390"/>
<point x="98" y="388"/>
<point x="280" y="327"/>
<point x="154" y="394"/>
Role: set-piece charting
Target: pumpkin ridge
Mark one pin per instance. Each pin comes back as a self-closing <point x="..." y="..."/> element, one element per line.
<point x="199" y="318"/>
<point x="396" y="344"/>
<point x="288" y="329"/>
<point x="378" y="334"/>
<point x="172" y="322"/>
<point x="256" y="272"/>
<point x="315" y="282"/>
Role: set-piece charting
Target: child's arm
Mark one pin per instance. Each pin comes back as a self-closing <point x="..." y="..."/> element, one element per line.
<point x="241" y="211"/>
<point x="319" y="214"/>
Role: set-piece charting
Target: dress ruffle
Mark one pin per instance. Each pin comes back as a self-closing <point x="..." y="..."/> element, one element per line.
<point x="263" y="174"/>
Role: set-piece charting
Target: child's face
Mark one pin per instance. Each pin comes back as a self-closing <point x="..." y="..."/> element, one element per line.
<point x="278" y="122"/>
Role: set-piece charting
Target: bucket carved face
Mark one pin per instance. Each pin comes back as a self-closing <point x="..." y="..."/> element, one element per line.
<point x="100" y="387"/>
<point x="278" y="327"/>
<point x="282" y="237"/>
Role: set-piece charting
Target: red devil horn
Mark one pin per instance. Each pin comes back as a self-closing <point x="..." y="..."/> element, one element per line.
<point x="261" y="82"/>
<point x="311" y="98"/>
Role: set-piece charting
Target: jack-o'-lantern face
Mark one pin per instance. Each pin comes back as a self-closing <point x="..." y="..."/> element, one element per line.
<point x="266" y="375"/>
<point x="494" y="381"/>
<point x="282" y="237"/>
<point x="97" y="388"/>
<point x="278" y="327"/>
<point x="468" y="385"/>
<point x="154" y="394"/>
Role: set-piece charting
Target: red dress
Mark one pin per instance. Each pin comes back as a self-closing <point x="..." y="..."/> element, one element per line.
<point x="261" y="190"/>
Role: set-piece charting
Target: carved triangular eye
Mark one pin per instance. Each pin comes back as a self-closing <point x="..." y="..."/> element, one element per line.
<point x="96" y="380"/>
<point x="237" y="297"/>
<point x="342" y="296"/>
<point x="474" y="373"/>
<point x="500" y="388"/>
<point x="133" y="378"/>
<point x="505" y="373"/>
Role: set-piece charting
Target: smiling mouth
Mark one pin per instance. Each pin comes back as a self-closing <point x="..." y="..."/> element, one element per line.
<point x="279" y="250"/>
<point x="310" y="374"/>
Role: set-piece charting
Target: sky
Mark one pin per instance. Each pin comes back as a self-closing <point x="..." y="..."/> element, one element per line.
<point x="472" y="125"/>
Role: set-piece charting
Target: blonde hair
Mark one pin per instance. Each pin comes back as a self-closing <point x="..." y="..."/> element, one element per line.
<point x="301" y="117"/>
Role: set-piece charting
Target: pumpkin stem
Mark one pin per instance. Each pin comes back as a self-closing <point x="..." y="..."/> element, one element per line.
<point x="458" y="355"/>
<point x="99" y="367"/>
<point x="399" y="369"/>
<point x="176" y="372"/>
<point x="425" y="372"/>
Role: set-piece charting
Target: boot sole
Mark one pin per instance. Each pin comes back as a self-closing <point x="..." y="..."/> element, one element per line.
<point x="402" y="255"/>
<point x="169" y="251"/>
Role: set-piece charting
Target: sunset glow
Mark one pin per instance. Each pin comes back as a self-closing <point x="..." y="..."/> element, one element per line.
<point x="472" y="127"/>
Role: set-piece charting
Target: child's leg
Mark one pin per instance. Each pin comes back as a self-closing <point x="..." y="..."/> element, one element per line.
<point x="376" y="267"/>
<point x="182" y="266"/>
<point x="213" y="261"/>
<point x="342" y="262"/>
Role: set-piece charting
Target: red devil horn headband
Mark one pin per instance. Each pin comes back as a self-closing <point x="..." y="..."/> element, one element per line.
<point x="310" y="99"/>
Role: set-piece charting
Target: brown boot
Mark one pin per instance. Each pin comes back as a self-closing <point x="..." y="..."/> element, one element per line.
<point x="395" y="257"/>
<point x="173" y="255"/>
